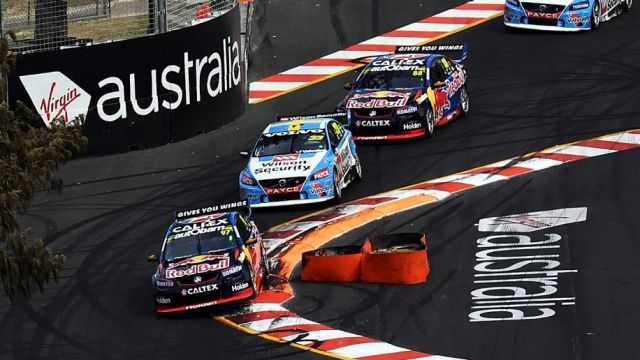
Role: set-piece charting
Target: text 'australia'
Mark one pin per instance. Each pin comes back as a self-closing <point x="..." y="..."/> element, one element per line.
<point x="179" y="85"/>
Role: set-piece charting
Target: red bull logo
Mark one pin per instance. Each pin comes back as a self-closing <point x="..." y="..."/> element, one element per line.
<point x="380" y="95"/>
<point x="201" y="258"/>
<point x="377" y="103"/>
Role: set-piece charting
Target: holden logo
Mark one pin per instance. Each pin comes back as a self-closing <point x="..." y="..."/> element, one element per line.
<point x="543" y="8"/>
<point x="197" y="279"/>
<point x="56" y="97"/>
<point x="373" y="113"/>
<point x="282" y="182"/>
<point x="184" y="292"/>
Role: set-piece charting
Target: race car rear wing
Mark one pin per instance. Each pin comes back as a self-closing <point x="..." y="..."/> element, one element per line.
<point x="241" y="206"/>
<point x="434" y="49"/>
<point x="339" y="116"/>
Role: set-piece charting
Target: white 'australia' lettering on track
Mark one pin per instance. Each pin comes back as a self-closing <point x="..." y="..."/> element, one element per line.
<point x="517" y="276"/>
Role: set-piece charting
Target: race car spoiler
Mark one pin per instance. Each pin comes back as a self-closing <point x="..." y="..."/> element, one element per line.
<point x="335" y="115"/>
<point x="430" y="49"/>
<point x="241" y="206"/>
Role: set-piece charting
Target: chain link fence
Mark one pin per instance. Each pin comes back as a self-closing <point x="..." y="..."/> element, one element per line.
<point x="42" y="25"/>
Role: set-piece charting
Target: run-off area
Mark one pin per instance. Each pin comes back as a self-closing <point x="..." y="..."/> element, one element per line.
<point x="574" y="300"/>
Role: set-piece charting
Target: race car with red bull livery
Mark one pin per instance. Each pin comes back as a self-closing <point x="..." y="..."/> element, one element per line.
<point x="210" y="256"/>
<point x="300" y="160"/>
<point x="407" y="94"/>
<point x="562" y="15"/>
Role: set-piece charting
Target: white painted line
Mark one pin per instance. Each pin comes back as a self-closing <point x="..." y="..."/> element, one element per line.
<point x="321" y="335"/>
<point x="270" y="324"/>
<point x="367" y="349"/>
<point x="267" y="85"/>
<point x="460" y="13"/>
<point x="627" y="138"/>
<point x="354" y="54"/>
<point x="260" y="307"/>
<point x="472" y="179"/>
<point x="315" y="70"/>
<point x="538" y="163"/>
<point x="581" y="151"/>
<point x="444" y="28"/>
<point x="395" y="40"/>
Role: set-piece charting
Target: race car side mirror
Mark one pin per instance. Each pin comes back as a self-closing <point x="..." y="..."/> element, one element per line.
<point x="152" y="258"/>
<point x="347" y="86"/>
<point x="244" y="154"/>
<point x="251" y="240"/>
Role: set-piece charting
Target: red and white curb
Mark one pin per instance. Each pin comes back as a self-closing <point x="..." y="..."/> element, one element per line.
<point x="418" y="33"/>
<point x="266" y="315"/>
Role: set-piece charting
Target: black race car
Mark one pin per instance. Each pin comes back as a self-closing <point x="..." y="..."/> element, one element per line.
<point x="407" y="94"/>
<point x="210" y="256"/>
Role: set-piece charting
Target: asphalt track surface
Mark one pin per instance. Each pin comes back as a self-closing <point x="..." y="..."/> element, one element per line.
<point x="528" y="91"/>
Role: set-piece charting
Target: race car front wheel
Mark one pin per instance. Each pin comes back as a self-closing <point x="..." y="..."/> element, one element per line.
<point x="595" y="15"/>
<point x="357" y="169"/>
<point x="464" y="100"/>
<point x="430" y="121"/>
<point x="337" y="188"/>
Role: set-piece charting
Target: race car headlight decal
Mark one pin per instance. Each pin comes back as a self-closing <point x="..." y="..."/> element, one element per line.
<point x="232" y="270"/>
<point x="579" y="6"/>
<point x="407" y="110"/>
<point x="514" y="2"/>
<point x="320" y="174"/>
<point x="164" y="283"/>
<point x="247" y="179"/>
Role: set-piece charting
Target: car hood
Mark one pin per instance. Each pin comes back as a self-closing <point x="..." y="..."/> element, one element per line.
<point x="549" y="2"/>
<point x="379" y="99"/>
<point x="285" y="166"/>
<point x="199" y="265"/>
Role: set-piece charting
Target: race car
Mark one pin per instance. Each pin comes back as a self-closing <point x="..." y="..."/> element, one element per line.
<point x="407" y="94"/>
<point x="562" y="15"/>
<point x="210" y="256"/>
<point x="299" y="160"/>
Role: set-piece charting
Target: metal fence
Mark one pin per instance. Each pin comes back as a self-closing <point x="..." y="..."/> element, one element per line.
<point x="42" y="25"/>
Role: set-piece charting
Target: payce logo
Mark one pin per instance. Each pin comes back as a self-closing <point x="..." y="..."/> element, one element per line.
<point x="55" y="96"/>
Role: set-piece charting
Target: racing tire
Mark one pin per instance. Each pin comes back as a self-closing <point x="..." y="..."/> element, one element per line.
<point x="595" y="15"/>
<point x="337" y="189"/>
<point x="464" y="100"/>
<point x="429" y="121"/>
<point x="357" y="170"/>
<point x="627" y="5"/>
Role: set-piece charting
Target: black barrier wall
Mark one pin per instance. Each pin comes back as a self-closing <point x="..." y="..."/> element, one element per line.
<point x="141" y="92"/>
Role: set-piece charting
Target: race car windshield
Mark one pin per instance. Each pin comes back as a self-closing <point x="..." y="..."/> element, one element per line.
<point x="200" y="244"/>
<point x="387" y="80"/>
<point x="290" y="143"/>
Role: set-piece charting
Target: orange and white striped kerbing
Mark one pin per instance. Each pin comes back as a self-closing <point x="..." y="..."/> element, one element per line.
<point x="339" y="62"/>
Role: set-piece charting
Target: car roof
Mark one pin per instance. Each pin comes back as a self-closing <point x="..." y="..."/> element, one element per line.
<point x="306" y="124"/>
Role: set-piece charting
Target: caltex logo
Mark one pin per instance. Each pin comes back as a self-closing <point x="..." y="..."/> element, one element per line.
<point x="56" y="97"/>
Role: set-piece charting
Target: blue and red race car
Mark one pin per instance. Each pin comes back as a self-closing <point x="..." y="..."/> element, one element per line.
<point x="562" y="15"/>
<point x="407" y="94"/>
<point x="210" y="256"/>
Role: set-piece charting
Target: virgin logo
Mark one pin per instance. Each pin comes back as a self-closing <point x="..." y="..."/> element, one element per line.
<point x="56" y="97"/>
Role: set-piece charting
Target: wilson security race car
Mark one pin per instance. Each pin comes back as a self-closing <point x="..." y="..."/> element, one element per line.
<point x="407" y="94"/>
<point x="298" y="160"/>
<point x="210" y="256"/>
<point x="562" y="15"/>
